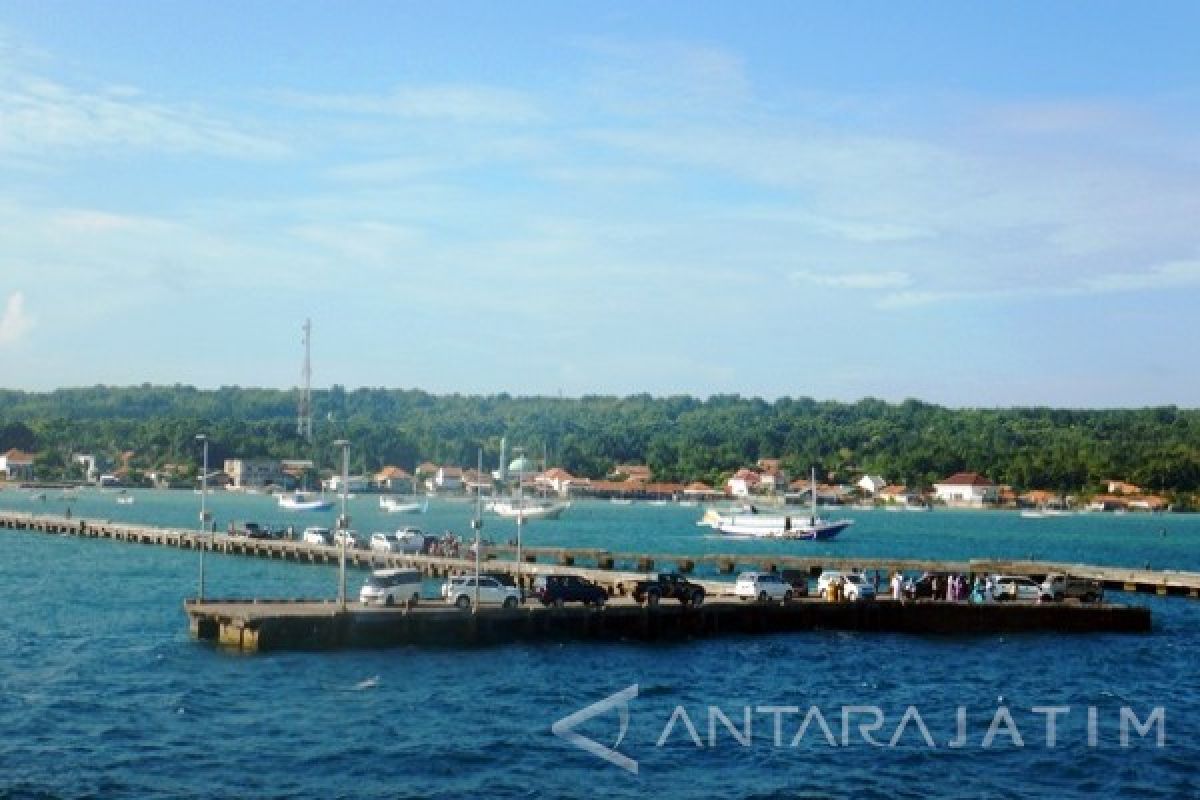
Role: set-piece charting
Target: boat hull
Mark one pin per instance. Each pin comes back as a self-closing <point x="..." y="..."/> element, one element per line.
<point x="529" y="512"/>
<point x="393" y="506"/>
<point x="761" y="526"/>
<point x="296" y="503"/>
<point x="819" y="532"/>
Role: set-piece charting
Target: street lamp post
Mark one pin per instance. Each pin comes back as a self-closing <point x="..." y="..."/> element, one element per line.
<point x="520" y="454"/>
<point x="203" y="511"/>
<point x="477" y="524"/>
<point x="343" y="523"/>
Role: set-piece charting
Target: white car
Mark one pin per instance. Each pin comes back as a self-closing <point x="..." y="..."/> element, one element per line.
<point x="351" y="537"/>
<point x="461" y="593"/>
<point x="763" y="587"/>
<point x="316" y="536"/>
<point x="386" y="587"/>
<point x="857" y="587"/>
<point x="451" y="582"/>
<point x="386" y="543"/>
<point x="1018" y="588"/>
<point x="411" y="540"/>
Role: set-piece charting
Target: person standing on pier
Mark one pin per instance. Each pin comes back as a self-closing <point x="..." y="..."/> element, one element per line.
<point x="897" y="586"/>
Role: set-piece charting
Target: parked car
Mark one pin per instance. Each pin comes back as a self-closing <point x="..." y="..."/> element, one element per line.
<point x="252" y="530"/>
<point x="411" y="540"/>
<point x="461" y="592"/>
<point x="386" y="543"/>
<point x="351" y="537"/>
<point x="1057" y="587"/>
<point x="387" y="587"/>
<point x="763" y="587"/>
<point x="559" y="589"/>
<point x="668" y="584"/>
<point x="856" y="585"/>
<point x="502" y="578"/>
<point x="317" y="536"/>
<point x="452" y="582"/>
<point x="922" y="587"/>
<point x="1017" y="588"/>
<point x="797" y="579"/>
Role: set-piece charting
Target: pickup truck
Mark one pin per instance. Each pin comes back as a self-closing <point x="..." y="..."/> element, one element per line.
<point x="668" y="584"/>
<point x="1059" y="587"/>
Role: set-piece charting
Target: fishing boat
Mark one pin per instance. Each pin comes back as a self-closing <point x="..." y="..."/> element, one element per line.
<point x="397" y="505"/>
<point x="528" y="509"/>
<point x="302" y="501"/>
<point x="750" y="523"/>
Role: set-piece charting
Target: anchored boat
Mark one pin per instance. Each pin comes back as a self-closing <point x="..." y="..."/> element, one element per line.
<point x="752" y="524"/>
<point x="301" y="501"/>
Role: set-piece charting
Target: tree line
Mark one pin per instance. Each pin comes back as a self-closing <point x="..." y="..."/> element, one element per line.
<point x="682" y="438"/>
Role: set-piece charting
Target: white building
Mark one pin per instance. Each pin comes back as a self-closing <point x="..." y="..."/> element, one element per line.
<point x="966" y="490"/>
<point x="354" y="483"/>
<point x="448" y="479"/>
<point x="16" y="465"/>
<point x="743" y="483"/>
<point x="871" y="484"/>
<point x="246" y="473"/>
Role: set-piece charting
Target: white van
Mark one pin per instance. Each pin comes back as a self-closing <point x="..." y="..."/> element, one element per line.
<point x="317" y="536"/>
<point x="387" y="587"/>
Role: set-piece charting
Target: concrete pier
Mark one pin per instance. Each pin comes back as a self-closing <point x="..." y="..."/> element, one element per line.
<point x="615" y="570"/>
<point x="256" y="626"/>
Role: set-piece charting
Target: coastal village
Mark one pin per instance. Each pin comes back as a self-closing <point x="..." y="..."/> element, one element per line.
<point x="765" y="483"/>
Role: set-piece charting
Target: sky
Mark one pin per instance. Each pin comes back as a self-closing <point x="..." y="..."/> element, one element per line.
<point x="972" y="204"/>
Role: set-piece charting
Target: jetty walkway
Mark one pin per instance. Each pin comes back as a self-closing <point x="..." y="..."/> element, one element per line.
<point x="615" y="570"/>
<point x="256" y="624"/>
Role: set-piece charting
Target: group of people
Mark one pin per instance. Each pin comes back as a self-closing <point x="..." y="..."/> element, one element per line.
<point x="448" y="544"/>
<point x="952" y="588"/>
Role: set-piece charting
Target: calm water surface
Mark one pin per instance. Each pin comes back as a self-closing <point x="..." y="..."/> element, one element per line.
<point x="102" y="693"/>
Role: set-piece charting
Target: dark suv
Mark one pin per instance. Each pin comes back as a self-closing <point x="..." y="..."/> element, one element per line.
<point x="559" y="589"/>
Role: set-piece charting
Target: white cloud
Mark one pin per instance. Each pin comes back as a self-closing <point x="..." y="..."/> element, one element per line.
<point x="665" y="78"/>
<point x="39" y="116"/>
<point x="856" y="280"/>
<point x="458" y="103"/>
<point x="15" y="322"/>
<point x="915" y="298"/>
<point x="1169" y="275"/>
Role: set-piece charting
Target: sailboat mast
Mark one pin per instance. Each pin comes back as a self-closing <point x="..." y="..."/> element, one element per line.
<point x="813" y="484"/>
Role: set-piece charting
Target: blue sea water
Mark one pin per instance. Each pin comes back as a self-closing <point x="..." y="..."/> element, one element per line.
<point x="104" y="695"/>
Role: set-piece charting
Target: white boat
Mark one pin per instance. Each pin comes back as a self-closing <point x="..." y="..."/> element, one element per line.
<point x="125" y="499"/>
<point x="752" y="524"/>
<point x="302" y="501"/>
<point x="396" y="505"/>
<point x="621" y="501"/>
<point x="528" y="509"/>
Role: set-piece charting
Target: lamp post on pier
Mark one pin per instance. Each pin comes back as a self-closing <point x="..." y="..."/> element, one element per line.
<point x="343" y="523"/>
<point x="201" y="437"/>
<point x="519" y="452"/>
<point x="477" y="524"/>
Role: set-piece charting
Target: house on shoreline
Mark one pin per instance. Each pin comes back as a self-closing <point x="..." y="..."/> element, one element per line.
<point x="966" y="490"/>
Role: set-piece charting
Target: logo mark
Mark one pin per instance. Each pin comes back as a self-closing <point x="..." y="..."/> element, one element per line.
<point x="565" y="728"/>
